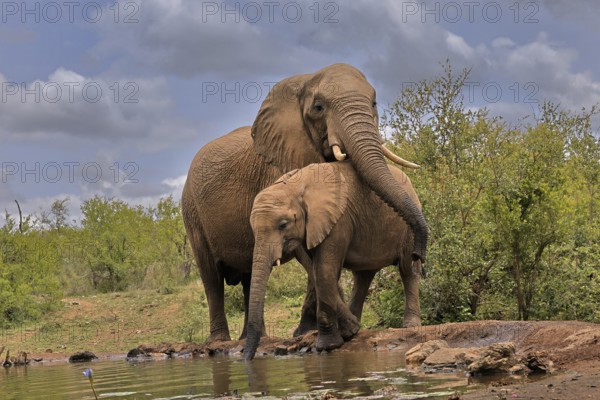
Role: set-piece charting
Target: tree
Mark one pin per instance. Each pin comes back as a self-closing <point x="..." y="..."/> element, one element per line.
<point x="60" y="212"/>
<point x="431" y="125"/>
<point x="507" y="207"/>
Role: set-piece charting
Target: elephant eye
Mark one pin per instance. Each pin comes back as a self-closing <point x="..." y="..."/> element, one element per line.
<point x="374" y="104"/>
<point x="282" y="225"/>
<point x="318" y="107"/>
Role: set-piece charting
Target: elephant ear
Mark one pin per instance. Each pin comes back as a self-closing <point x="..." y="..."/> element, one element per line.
<point x="325" y="199"/>
<point x="278" y="131"/>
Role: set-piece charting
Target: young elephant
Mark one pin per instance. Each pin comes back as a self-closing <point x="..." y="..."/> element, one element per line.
<point x="327" y="211"/>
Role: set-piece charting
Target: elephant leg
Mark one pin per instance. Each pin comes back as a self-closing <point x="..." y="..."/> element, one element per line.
<point x="308" y="317"/>
<point x="330" y="306"/>
<point x="410" y="281"/>
<point x="212" y="280"/>
<point x="348" y="323"/>
<point x="360" y="290"/>
<point x="214" y="287"/>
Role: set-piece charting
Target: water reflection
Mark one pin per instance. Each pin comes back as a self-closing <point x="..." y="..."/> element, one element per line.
<point x="221" y="376"/>
<point x="346" y="374"/>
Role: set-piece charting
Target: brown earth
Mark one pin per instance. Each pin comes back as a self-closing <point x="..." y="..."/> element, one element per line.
<point x="573" y="347"/>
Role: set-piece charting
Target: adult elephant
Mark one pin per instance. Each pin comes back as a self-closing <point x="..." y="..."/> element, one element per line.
<point x="313" y="118"/>
<point x="328" y="211"/>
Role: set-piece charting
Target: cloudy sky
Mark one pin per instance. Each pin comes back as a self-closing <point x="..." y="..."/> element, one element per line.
<point x="115" y="98"/>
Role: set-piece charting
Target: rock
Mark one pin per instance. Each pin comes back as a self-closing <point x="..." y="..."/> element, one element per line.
<point x="165" y="348"/>
<point x="468" y="357"/>
<point x="82" y="356"/>
<point x="236" y="351"/>
<point x="186" y="353"/>
<point x="538" y="361"/>
<point x="137" y="354"/>
<point x="214" y="351"/>
<point x="519" y="369"/>
<point x="281" y="350"/>
<point x="420" y="352"/>
<point x="497" y="357"/>
<point x="446" y="358"/>
<point x="304" y="350"/>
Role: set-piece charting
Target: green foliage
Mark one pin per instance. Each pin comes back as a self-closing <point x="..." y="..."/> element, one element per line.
<point x="234" y="300"/>
<point x="117" y="247"/>
<point x="194" y="327"/>
<point x="118" y="237"/>
<point x="28" y="277"/>
<point x="288" y="281"/>
<point x="511" y="209"/>
<point x="388" y="298"/>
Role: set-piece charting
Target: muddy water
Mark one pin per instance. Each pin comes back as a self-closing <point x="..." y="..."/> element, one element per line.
<point x="346" y="375"/>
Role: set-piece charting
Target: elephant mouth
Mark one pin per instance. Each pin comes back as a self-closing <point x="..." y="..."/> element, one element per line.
<point x="331" y="153"/>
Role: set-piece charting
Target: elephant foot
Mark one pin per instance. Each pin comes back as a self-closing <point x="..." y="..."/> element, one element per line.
<point x="304" y="327"/>
<point x="348" y="326"/>
<point x="220" y="336"/>
<point x="329" y="342"/>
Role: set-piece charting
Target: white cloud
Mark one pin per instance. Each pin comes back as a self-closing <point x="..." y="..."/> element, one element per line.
<point x="135" y="111"/>
<point x="175" y="183"/>
<point x="458" y="45"/>
<point x="550" y="68"/>
<point x="502" y="42"/>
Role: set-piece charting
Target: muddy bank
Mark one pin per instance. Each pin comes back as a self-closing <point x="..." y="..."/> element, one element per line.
<point x="571" y="346"/>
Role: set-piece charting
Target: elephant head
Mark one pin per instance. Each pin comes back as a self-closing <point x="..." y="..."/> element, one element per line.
<point x="295" y="213"/>
<point x="327" y="116"/>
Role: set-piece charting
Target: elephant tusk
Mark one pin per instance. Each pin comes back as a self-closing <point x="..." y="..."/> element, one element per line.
<point x="398" y="160"/>
<point x="278" y="262"/>
<point x="337" y="152"/>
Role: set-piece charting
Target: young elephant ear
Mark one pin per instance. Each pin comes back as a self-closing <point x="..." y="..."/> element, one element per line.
<point x="278" y="131"/>
<point x="325" y="199"/>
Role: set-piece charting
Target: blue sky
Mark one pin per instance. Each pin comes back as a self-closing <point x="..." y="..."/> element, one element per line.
<point x="114" y="98"/>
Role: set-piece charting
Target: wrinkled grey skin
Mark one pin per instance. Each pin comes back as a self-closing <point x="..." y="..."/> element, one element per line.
<point x="329" y="212"/>
<point x="297" y="124"/>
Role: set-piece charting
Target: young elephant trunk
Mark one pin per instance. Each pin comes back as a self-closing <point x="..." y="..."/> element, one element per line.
<point x="261" y="269"/>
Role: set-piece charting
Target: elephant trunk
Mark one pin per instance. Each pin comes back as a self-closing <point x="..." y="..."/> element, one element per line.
<point x="262" y="263"/>
<point x="360" y="136"/>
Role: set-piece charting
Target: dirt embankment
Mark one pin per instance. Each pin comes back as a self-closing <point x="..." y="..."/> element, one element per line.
<point x="573" y="347"/>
